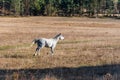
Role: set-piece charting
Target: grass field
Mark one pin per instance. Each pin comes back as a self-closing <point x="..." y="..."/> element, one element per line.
<point x="90" y="50"/>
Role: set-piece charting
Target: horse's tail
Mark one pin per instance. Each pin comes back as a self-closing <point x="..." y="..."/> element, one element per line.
<point x="33" y="42"/>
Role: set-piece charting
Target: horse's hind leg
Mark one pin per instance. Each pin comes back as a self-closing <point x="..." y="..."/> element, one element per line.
<point x="37" y="52"/>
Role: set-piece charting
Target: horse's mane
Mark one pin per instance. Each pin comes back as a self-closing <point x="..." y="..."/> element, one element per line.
<point x="57" y="35"/>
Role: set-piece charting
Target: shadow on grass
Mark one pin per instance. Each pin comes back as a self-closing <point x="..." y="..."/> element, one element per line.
<point x="14" y="56"/>
<point x="105" y="72"/>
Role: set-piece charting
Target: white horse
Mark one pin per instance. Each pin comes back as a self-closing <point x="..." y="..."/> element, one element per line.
<point x="49" y="43"/>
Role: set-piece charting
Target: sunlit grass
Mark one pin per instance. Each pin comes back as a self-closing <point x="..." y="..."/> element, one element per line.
<point x="91" y="45"/>
<point x="5" y="47"/>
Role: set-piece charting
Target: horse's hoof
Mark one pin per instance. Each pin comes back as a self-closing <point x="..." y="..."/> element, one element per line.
<point x="34" y="54"/>
<point x="38" y="54"/>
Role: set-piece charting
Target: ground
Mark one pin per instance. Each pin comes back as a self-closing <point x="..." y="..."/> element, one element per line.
<point x="91" y="48"/>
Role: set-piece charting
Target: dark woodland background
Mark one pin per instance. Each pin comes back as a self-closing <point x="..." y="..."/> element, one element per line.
<point x="89" y="8"/>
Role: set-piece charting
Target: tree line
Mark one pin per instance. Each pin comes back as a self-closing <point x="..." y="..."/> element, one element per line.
<point x="90" y="8"/>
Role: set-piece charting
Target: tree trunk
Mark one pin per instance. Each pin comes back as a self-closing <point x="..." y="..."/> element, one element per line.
<point x="115" y="7"/>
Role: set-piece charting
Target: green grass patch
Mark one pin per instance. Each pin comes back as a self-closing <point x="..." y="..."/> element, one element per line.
<point x="73" y="42"/>
<point x="5" y="47"/>
<point x="78" y="41"/>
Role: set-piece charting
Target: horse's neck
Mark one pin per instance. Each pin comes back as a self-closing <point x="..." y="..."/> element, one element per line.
<point x="56" y="38"/>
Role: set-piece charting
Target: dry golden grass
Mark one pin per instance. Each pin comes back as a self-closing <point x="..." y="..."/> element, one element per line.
<point x="88" y="42"/>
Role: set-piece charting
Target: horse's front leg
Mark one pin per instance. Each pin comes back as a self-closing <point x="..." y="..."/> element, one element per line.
<point x="52" y="50"/>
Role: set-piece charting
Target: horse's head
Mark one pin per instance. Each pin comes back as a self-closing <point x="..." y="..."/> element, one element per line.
<point x="61" y="37"/>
